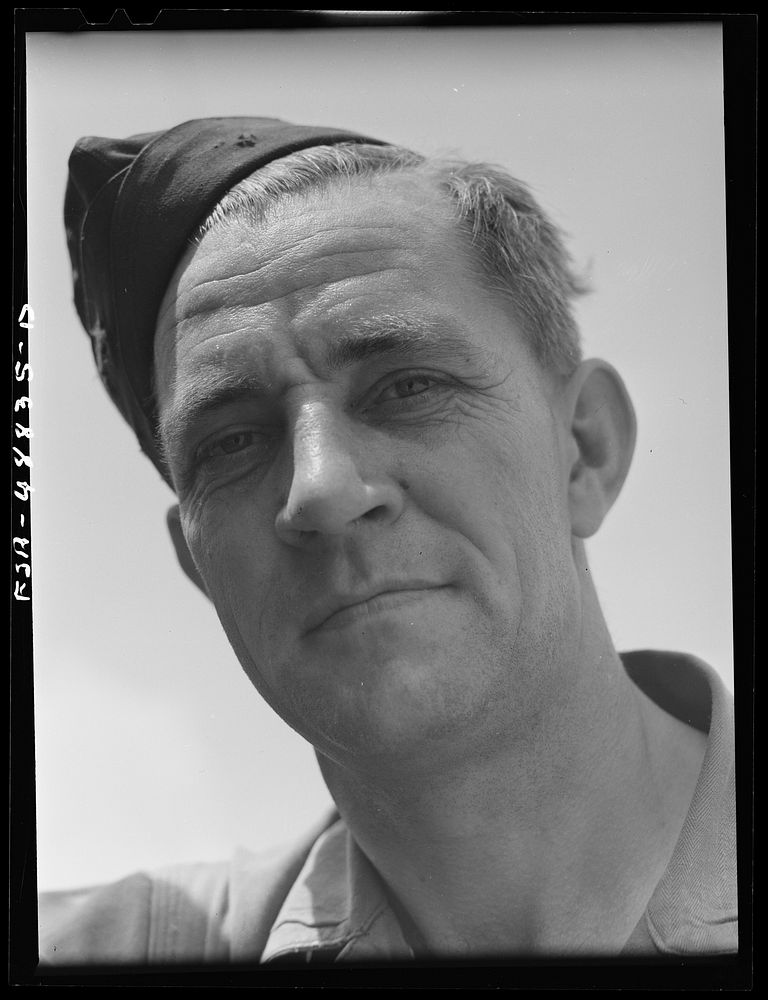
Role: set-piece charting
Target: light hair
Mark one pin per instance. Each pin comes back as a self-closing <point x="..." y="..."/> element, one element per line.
<point x="521" y="251"/>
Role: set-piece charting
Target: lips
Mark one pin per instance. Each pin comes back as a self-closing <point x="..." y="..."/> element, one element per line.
<point x="340" y="610"/>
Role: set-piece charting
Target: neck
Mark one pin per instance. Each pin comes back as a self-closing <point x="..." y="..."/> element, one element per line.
<point x="548" y="844"/>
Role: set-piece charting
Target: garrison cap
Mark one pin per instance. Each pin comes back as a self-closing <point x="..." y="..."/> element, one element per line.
<point x="130" y="208"/>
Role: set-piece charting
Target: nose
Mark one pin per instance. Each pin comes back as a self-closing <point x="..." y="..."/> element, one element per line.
<point x="335" y="484"/>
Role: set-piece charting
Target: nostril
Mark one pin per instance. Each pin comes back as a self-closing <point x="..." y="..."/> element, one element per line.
<point x="379" y="513"/>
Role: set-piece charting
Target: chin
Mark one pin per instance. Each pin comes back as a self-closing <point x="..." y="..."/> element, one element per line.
<point x="401" y="713"/>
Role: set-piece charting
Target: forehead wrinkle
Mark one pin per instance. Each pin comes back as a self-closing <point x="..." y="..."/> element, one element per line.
<point x="251" y="301"/>
<point x="276" y="253"/>
<point x="277" y="243"/>
<point x="176" y="294"/>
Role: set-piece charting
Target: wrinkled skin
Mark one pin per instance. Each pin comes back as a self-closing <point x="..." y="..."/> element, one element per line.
<point x="386" y="531"/>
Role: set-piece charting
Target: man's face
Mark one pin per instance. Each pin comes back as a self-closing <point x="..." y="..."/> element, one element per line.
<point x="370" y="473"/>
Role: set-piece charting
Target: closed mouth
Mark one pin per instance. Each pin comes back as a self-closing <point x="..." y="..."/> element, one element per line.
<point x="354" y="609"/>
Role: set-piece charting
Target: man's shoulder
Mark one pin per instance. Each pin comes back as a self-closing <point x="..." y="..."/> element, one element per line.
<point x="180" y="913"/>
<point x="104" y="924"/>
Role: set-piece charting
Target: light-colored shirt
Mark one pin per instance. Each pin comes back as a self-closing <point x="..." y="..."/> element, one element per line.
<point x="324" y="901"/>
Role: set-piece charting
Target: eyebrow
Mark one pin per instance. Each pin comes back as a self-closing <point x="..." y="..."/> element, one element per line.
<point x="211" y="388"/>
<point x="383" y="336"/>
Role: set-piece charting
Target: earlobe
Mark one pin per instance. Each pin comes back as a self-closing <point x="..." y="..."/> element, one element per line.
<point x="183" y="554"/>
<point x="603" y="430"/>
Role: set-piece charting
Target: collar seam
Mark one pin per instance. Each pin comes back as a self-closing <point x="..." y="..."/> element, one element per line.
<point x="342" y="940"/>
<point x="664" y="945"/>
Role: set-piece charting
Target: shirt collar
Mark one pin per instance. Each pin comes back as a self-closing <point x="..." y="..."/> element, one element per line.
<point x="693" y="908"/>
<point x="337" y="904"/>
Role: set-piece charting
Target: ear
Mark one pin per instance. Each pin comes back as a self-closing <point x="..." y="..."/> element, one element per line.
<point x="187" y="563"/>
<point x="603" y="432"/>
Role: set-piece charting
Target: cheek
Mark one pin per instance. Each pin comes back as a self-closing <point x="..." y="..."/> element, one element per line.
<point x="501" y="487"/>
<point x="233" y="551"/>
<point x="232" y="546"/>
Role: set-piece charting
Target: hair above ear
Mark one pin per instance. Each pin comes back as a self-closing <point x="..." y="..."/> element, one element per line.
<point x="604" y="429"/>
<point x="187" y="563"/>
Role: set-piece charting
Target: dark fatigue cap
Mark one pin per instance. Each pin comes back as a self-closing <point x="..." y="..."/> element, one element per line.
<point x="131" y="207"/>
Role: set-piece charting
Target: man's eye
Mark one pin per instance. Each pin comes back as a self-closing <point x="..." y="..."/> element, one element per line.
<point x="411" y="385"/>
<point x="228" y="444"/>
<point x="404" y="391"/>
